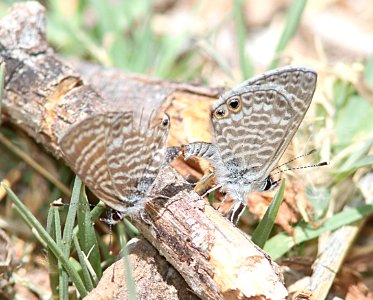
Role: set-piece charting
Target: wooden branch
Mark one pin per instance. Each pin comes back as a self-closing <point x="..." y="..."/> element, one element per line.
<point x="155" y="278"/>
<point x="44" y="96"/>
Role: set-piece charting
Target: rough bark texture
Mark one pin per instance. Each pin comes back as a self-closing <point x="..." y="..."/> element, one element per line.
<point x="155" y="278"/>
<point x="44" y="96"/>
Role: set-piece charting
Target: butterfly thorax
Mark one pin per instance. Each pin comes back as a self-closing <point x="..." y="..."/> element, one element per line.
<point x="133" y="203"/>
<point x="238" y="181"/>
<point x="134" y="198"/>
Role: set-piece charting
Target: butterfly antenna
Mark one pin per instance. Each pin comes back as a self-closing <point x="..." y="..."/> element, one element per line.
<point x="59" y="203"/>
<point x="141" y="117"/>
<point x="111" y="239"/>
<point x="152" y="117"/>
<point x="320" y="164"/>
<point x="295" y="158"/>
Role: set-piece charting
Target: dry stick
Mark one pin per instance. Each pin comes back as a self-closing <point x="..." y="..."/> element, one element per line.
<point x="216" y="259"/>
<point x="145" y="258"/>
<point x="13" y="176"/>
<point x="336" y="248"/>
<point x="32" y="163"/>
<point x="330" y="260"/>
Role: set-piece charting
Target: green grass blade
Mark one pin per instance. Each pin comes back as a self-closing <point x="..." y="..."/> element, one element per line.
<point x="2" y="79"/>
<point x="71" y="215"/>
<point x="52" y="259"/>
<point x="131" y="286"/>
<point x="110" y="27"/>
<point x="83" y="264"/>
<point x="95" y="213"/>
<point x="87" y="236"/>
<point x="88" y="43"/>
<point x="171" y="49"/>
<point x="130" y="228"/>
<point x="106" y="23"/>
<point x="365" y="161"/>
<point x="291" y="26"/>
<point x="107" y="258"/>
<point x="247" y="69"/>
<point x="217" y="58"/>
<point x="74" y="276"/>
<point x="278" y="245"/>
<point x="63" y="278"/>
<point x="264" y="228"/>
<point x="29" y="224"/>
<point x="144" y="45"/>
<point x="368" y="71"/>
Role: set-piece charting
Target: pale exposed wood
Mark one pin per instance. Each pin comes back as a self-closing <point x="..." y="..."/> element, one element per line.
<point x="330" y="261"/>
<point x="337" y="246"/>
<point x="44" y="96"/>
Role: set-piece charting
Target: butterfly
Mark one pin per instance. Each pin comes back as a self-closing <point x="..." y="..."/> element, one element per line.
<point x="118" y="159"/>
<point x="252" y="126"/>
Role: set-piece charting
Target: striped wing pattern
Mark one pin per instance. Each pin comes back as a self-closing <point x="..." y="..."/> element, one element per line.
<point x="117" y="159"/>
<point x="253" y="139"/>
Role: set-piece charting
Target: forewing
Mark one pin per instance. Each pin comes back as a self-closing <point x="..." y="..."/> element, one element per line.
<point x="156" y="158"/>
<point x="255" y="137"/>
<point x="122" y="144"/>
<point x="134" y="155"/>
<point x="83" y="147"/>
<point x="297" y="81"/>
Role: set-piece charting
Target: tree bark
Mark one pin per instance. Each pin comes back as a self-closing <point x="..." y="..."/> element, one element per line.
<point x="155" y="278"/>
<point x="44" y="96"/>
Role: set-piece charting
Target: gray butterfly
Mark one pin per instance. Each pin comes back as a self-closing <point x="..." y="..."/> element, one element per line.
<point x="252" y="126"/>
<point x="117" y="159"/>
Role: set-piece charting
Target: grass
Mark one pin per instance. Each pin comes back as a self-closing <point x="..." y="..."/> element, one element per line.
<point x="121" y="36"/>
<point x="2" y="78"/>
<point x="292" y="24"/>
<point x="264" y="228"/>
<point x="280" y="244"/>
<point x="54" y="246"/>
<point x="124" y="37"/>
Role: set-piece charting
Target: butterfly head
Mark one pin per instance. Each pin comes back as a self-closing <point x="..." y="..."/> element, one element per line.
<point x="165" y="121"/>
<point x="162" y="121"/>
<point x="270" y="183"/>
<point x="157" y="126"/>
<point x="240" y="187"/>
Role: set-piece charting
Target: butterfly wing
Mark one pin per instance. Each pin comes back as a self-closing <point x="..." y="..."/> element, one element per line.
<point x="117" y="160"/>
<point x="83" y="147"/>
<point x="122" y="143"/>
<point x="253" y="124"/>
<point x="297" y="81"/>
<point x="135" y="156"/>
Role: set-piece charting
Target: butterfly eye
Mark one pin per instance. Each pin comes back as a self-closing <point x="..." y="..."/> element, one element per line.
<point x="268" y="184"/>
<point x="234" y="104"/>
<point x="166" y="120"/>
<point x="220" y="113"/>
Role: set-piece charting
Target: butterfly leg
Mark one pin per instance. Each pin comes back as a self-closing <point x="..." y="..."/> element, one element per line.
<point x="236" y="212"/>
<point x="223" y="201"/>
<point x="148" y="222"/>
<point x="211" y="190"/>
<point x="160" y="196"/>
<point x="203" y="179"/>
<point x="144" y="219"/>
<point x="170" y="154"/>
<point x="113" y="217"/>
